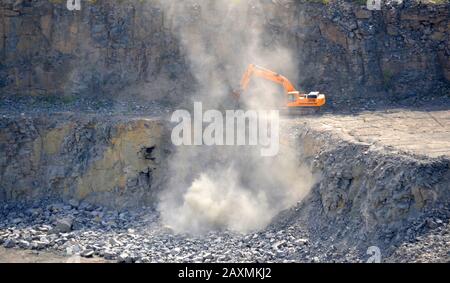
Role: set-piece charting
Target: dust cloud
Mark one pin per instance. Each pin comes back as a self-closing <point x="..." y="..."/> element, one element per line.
<point x="217" y="188"/>
<point x="229" y="187"/>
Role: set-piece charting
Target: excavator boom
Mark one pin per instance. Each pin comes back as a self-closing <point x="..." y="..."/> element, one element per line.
<point x="294" y="97"/>
<point x="261" y="72"/>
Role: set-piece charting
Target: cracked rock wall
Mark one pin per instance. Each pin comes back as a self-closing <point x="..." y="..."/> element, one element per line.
<point x="368" y="195"/>
<point x="114" y="163"/>
<point x="400" y="52"/>
<point x="130" y="46"/>
<point x="100" y="50"/>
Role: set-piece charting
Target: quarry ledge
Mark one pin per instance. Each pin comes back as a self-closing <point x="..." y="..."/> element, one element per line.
<point x="369" y="194"/>
<point x="382" y="196"/>
<point x="88" y="156"/>
<point x="106" y="160"/>
<point x="119" y="160"/>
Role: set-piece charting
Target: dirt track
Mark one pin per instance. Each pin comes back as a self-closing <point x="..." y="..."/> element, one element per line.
<point x="28" y="256"/>
<point x="418" y="132"/>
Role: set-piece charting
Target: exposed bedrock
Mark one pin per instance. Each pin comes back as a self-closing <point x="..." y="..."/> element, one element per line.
<point x="111" y="161"/>
<point x="399" y="52"/>
<point x="100" y="50"/>
<point x="338" y="47"/>
<point x="369" y="195"/>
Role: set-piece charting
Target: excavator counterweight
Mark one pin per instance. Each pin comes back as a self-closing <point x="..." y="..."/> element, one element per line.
<point x="293" y="97"/>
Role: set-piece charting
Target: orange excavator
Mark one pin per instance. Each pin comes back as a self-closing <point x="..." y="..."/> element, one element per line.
<point x="294" y="99"/>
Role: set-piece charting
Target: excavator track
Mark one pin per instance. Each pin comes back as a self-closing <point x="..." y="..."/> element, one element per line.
<point x="300" y="111"/>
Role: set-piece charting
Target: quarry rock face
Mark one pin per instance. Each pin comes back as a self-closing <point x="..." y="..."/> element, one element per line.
<point x="115" y="163"/>
<point x="76" y="181"/>
<point x="371" y="192"/>
<point x="401" y="51"/>
<point x="47" y="49"/>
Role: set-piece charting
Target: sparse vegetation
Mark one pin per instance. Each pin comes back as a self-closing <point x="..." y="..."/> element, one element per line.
<point x="439" y="1"/>
<point x="324" y="2"/>
<point x="387" y="78"/>
<point x="55" y="99"/>
<point x="360" y="2"/>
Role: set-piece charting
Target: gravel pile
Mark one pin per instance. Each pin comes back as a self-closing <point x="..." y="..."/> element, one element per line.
<point x="138" y="236"/>
<point x="432" y="247"/>
<point x="80" y="229"/>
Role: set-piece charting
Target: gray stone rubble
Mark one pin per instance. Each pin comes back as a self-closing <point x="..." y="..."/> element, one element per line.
<point x="138" y="236"/>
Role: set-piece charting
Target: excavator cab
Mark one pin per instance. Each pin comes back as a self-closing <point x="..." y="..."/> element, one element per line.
<point x="293" y="96"/>
<point x="295" y="99"/>
<point x="313" y="95"/>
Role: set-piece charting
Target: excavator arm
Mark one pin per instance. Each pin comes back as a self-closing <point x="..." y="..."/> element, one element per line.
<point x="254" y="70"/>
<point x="295" y="98"/>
